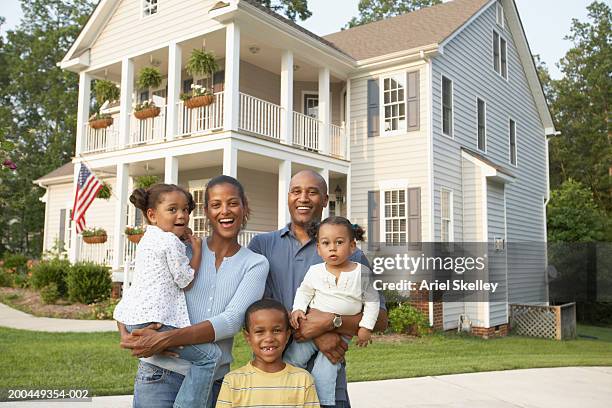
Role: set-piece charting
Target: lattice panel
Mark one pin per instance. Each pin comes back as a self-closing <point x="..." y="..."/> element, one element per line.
<point x="535" y="321"/>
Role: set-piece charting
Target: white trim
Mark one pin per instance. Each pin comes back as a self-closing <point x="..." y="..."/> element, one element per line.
<point x="467" y="23"/>
<point x="451" y="227"/>
<point x="452" y="129"/>
<point x="485" y="124"/>
<point x="515" y="142"/>
<point x="500" y="37"/>
<point x="499" y="12"/>
<point x="144" y="6"/>
<point x="430" y="155"/>
<point x="390" y="185"/>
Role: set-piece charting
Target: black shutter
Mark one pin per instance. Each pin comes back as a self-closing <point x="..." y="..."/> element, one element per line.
<point x="62" y="229"/>
<point x="218" y="81"/>
<point x="414" y="218"/>
<point x="412" y="100"/>
<point x="373" y="220"/>
<point x="373" y="108"/>
<point x="187" y="85"/>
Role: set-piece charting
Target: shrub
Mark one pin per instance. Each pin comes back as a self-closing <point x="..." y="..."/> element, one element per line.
<point x="88" y="282"/>
<point x="18" y="262"/>
<point x="51" y="272"/>
<point x="5" y="279"/>
<point x="49" y="293"/>
<point x="407" y="319"/>
<point x="104" y="310"/>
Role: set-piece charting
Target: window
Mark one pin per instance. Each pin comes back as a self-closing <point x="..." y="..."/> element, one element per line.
<point x="482" y="130"/>
<point x="149" y="7"/>
<point x="198" y="217"/>
<point x="504" y="58"/>
<point x="499" y="14"/>
<point x="446" y="214"/>
<point x="447" y="106"/>
<point x="500" y="55"/>
<point x="394" y="107"/>
<point x="395" y="217"/>
<point x="512" y="142"/>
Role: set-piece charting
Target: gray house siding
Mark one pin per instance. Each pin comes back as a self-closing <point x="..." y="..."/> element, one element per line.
<point x="468" y="61"/>
<point x="496" y="224"/>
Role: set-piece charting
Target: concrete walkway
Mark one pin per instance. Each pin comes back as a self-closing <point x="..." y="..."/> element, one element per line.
<point x="16" y="319"/>
<point x="566" y="387"/>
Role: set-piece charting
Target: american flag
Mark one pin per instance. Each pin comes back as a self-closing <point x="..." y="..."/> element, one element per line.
<point x="86" y="191"/>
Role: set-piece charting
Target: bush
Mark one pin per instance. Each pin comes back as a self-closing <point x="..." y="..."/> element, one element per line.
<point x="104" y="310"/>
<point x="5" y="279"/>
<point x="49" y="293"/>
<point x="51" y="272"/>
<point x="407" y="319"/>
<point x="18" y="262"/>
<point x="88" y="282"/>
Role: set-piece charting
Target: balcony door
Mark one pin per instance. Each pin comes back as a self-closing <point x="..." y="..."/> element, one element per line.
<point x="310" y="104"/>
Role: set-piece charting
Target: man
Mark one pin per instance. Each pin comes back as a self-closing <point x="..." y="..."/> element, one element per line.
<point x="290" y="252"/>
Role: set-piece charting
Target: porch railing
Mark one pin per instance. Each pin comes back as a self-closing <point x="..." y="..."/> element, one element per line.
<point x="202" y="119"/>
<point x="98" y="140"/>
<point x="337" y="141"/>
<point x="306" y="131"/>
<point x="148" y="130"/>
<point x="101" y="254"/>
<point x="246" y="236"/>
<point x="259" y="116"/>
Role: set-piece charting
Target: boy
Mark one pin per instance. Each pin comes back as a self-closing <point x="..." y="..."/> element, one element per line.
<point x="267" y="380"/>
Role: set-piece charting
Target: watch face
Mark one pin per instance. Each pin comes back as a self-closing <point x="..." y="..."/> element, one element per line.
<point x="337" y="321"/>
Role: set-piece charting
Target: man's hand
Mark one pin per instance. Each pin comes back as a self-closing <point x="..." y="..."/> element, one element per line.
<point x="364" y="337"/>
<point x="315" y="324"/>
<point x="332" y="345"/>
<point x="146" y="342"/>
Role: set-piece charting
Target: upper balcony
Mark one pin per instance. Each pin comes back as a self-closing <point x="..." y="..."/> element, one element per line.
<point x="260" y="90"/>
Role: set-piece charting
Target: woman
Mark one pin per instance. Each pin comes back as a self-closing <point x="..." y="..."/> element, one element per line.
<point x="230" y="278"/>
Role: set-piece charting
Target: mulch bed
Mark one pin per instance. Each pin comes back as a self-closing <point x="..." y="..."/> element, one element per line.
<point x="30" y="302"/>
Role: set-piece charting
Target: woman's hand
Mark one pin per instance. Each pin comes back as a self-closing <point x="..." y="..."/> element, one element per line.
<point x="296" y="316"/>
<point x="146" y="342"/>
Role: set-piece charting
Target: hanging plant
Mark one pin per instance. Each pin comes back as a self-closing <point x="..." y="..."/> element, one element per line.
<point x="106" y="91"/>
<point x="105" y="192"/>
<point x="202" y="62"/>
<point x="149" y="77"/>
<point x="94" y="235"/>
<point x="145" y="181"/>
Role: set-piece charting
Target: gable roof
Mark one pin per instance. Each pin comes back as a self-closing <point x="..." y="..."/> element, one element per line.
<point x="426" y="26"/>
<point x="65" y="171"/>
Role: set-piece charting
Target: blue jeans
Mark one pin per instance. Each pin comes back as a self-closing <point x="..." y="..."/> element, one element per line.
<point x="324" y="371"/>
<point x="196" y="387"/>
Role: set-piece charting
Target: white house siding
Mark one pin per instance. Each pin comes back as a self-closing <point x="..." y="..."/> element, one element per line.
<point x="385" y="158"/>
<point x="259" y="82"/>
<point x="496" y="222"/>
<point x="127" y="33"/>
<point x="467" y="61"/>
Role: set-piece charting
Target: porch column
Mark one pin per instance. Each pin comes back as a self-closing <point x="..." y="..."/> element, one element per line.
<point x="324" y="110"/>
<point x="287" y="97"/>
<point x="73" y="251"/>
<point x="171" y="170"/>
<point x="325" y="174"/>
<point x="121" y="189"/>
<point x="230" y="160"/>
<point x="347" y="198"/>
<point x="232" y="77"/>
<point x="284" y="179"/>
<point x="127" y="88"/>
<point x="174" y="89"/>
<point x="82" y="110"/>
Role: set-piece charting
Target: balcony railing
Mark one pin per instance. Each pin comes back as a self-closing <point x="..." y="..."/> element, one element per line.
<point x="99" y="140"/>
<point x="338" y="143"/>
<point x="148" y="130"/>
<point x="259" y="116"/>
<point x="306" y="131"/>
<point x="101" y="254"/>
<point x="201" y="119"/>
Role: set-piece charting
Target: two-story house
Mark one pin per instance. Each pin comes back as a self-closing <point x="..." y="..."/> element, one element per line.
<point x="430" y="126"/>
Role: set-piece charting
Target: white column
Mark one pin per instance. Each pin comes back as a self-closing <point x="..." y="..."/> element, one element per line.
<point x="82" y="110"/>
<point x="325" y="174"/>
<point x="347" y="199"/>
<point x="287" y="97"/>
<point x="73" y="251"/>
<point x="232" y="77"/>
<point x="121" y="190"/>
<point x="324" y="110"/>
<point x="284" y="179"/>
<point x="174" y="89"/>
<point x="127" y="88"/>
<point x="347" y="122"/>
<point x="230" y="160"/>
<point x="171" y="170"/>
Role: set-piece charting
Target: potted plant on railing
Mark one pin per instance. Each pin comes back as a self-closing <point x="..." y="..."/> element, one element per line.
<point x="105" y="91"/>
<point x="145" y="181"/>
<point x="146" y="109"/>
<point x="105" y="192"/>
<point x="198" y="97"/>
<point x="201" y="62"/>
<point x="134" y="234"/>
<point x="94" y="236"/>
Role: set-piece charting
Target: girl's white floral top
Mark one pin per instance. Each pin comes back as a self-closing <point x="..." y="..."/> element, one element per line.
<point x="162" y="271"/>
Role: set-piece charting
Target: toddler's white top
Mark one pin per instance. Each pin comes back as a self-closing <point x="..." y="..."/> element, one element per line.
<point x="162" y="271"/>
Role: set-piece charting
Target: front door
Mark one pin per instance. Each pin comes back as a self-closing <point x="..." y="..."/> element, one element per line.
<point x="311" y="105"/>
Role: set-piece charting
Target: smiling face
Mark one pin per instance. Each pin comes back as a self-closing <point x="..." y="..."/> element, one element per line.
<point x="268" y="334"/>
<point x="225" y="210"/>
<point x="335" y="245"/>
<point x="307" y="197"/>
<point x="171" y="214"/>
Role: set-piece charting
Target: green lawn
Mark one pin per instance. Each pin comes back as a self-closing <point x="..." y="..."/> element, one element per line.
<point x="95" y="361"/>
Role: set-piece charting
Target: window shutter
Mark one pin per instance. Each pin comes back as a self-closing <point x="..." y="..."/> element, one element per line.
<point x="414" y="218"/>
<point x="373" y="108"/>
<point x="412" y="100"/>
<point x="187" y="85"/>
<point x="373" y="220"/>
<point x="218" y="81"/>
<point x="62" y="227"/>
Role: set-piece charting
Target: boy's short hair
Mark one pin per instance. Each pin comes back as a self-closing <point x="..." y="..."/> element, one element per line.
<point x="265" y="304"/>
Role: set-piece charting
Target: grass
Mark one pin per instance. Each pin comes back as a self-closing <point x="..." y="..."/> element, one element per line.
<point x="95" y="361"/>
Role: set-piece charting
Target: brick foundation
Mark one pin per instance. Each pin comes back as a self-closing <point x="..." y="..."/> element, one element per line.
<point x="419" y="299"/>
<point x="488" y="332"/>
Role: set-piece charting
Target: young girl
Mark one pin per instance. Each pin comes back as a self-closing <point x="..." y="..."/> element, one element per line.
<point x="162" y="273"/>
<point x="336" y="286"/>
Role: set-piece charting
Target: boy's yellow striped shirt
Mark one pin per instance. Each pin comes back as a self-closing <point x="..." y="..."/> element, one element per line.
<point x="250" y="387"/>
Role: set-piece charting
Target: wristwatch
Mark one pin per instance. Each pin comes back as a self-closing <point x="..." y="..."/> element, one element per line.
<point x="337" y="321"/>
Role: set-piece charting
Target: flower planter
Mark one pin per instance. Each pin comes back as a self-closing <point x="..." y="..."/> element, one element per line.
<point x="135" y="238"/>
<point x="199" y="101"/>
<point x="96" y="239"/>
<point x="147" y="113"/>
<point x="100" y="123"/>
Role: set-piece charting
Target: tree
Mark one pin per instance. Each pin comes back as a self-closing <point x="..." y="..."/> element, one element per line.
<point x="581" y="108"/>
<point x="292" y="9"/>
<point x="374" y="10"/>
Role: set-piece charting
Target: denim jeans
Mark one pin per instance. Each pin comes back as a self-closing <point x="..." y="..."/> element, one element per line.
<point x="195" y="388"/>
<point x="324" y="371"/>
<point x="156" y="387"/>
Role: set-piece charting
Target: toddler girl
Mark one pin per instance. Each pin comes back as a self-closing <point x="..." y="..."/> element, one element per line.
<point x="337" y="286"/>
<point x="162" y="272"/>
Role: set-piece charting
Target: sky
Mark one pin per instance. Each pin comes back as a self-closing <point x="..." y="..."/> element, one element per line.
<point x="546" y="22"/>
